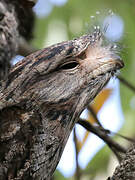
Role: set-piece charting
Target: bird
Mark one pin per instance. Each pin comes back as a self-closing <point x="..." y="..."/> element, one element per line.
<point x="42" y="99"/>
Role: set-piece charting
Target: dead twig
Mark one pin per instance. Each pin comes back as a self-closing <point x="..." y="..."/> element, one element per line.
<point x="126" y="83"/>
<point x="103" y="134"/>
<point x="94" y="115"/>
<point x="78" y="173"/>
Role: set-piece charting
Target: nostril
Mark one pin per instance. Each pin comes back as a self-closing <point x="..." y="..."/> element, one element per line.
<point x="118" y="61"/>
<point x="119" y="64"/>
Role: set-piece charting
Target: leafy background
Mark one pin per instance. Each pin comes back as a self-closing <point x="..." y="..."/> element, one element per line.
<point x="72" y="17"/>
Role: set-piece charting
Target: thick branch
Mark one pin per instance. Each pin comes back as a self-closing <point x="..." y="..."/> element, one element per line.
<point x="16" y="20"/>
<point x="8" y="36"/>
<point x="126" y="169"/>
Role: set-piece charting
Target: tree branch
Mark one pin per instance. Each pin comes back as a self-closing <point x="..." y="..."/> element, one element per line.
<point x="8" y="36"/>
<point x="103" y="134"/>
<point x="126" y="169"/>
<point x="94" y="114"/>
<point x="78" y="172"/>
<point x="16" y="20"/>
<point x="126" y="83"/>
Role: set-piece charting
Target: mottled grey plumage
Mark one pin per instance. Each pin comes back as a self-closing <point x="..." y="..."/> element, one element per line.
<point x="42" y="99"/>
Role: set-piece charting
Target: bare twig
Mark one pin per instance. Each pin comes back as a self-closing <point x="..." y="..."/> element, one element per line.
<point x="100" y="132"/>
<point x="78" y="173"/>
<point x="106" y="132"/>
<point x="94" y="114"/>
<point x="126" y="83"/>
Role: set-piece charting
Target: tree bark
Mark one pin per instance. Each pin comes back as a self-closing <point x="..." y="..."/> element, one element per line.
<point x="8" y="36"/>
<point x="16" y="20"/>
<point x="126" y="169"/>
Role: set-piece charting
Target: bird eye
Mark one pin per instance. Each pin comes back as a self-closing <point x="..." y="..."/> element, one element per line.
<point x="69" y="65"/>
<point x="1" y="16"/>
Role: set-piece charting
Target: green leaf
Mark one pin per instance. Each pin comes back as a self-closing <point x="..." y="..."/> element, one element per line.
<point x="59" y="176"/>
<point x="99" y="163"/>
